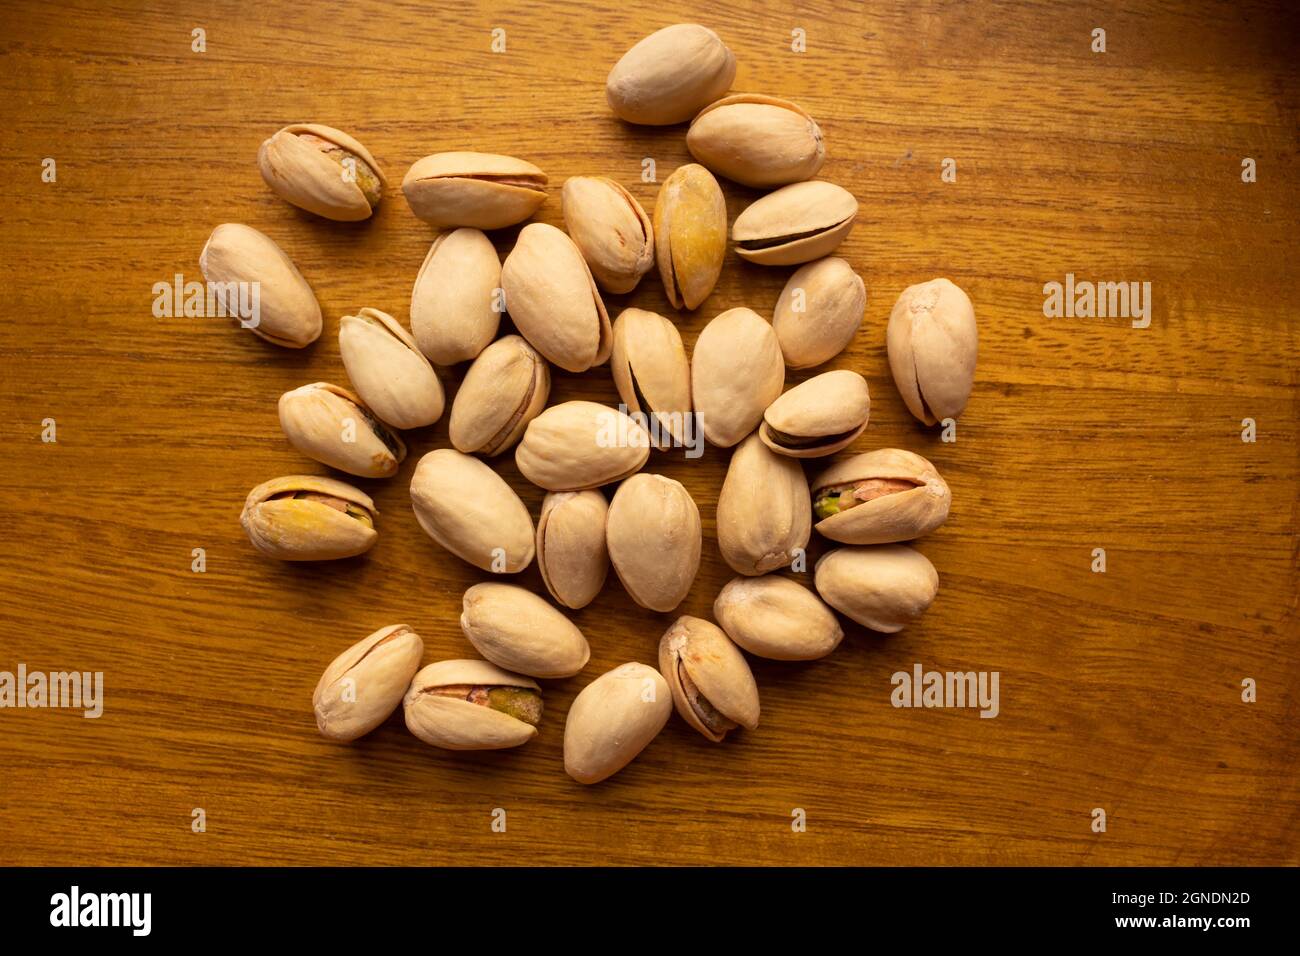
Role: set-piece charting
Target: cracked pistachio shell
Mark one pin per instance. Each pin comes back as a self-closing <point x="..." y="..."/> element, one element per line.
<point x="309" y="518"/>
<point x="819" y="312"/>
<point x="287" y="311"/>
<point x="388" y="370"/>
<point x="333" y="426"/>
<point x="690" y="232"/>
<point x="670" y="75"/>
<point x="479" y="190"/>
<point x="797" y="223"/>
<point x="651" y="372"/>
<point x="818" y="417"/>
<point x="517" y="630"/>
<point x="504" y="390"/>
<point x="654" y="538"/>
<point x="736" y="373"/>
<point x="896" y="495"/>
<point x="764" y="511"/>
<point x="757" y="140"/>
<point x="454" y="722"/>
<point x="613" y="719"/>
<point x="713" y="688"/>
<point x="578" y="445"/>
<point x="611" y="230"/>
<point x="365" y="683"/>
<point x="454" y="303"/>
<point x="933" y="342"/>
<point x="777" y="618"/>
<point x="468" y="508"/>
<point x="322" y="170"/>
<point x="553" y="299"/>
<point x="884" y="587"/>
<point x="571" y="551"/>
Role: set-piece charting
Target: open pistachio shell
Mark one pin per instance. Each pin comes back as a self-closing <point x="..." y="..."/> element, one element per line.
<point x="309" y="518"/>
<point x="479" y="190"/>
<point x="364" y="684"/>
<point x="668" y="76"/>
<point x="933" y="344"/>
<point x="469" y="509"/>
<point x="571" y="551"/>
<point x="712" y="685"/>
<point x="388" y="370"/>
<point x="736" y="372"/>
<point x="763" y="519"/>
<point x="504" y="390"/>
<point x="472" y="705"/>
<point x="239" y="262"/>
<point x="777" y="618"/>
<point x="690" y="229"/>
<point x="757" y="140"/>
<point x="884" y="587"/>
<point x="797" y="223"/>
<point x="880" y="497"/>
<point x="654" y="537"/>
<point x="611" y="229"/>
<point x="517" y="630"/>
<point x="818" y="417"/>
<point x="333" y="426"/>
<point x="322" y="170"/>
<point x="613" y="719"/>
<point x="578" y="445"/>
<point x="651" y="372"/>
<point x="455" y="305"/>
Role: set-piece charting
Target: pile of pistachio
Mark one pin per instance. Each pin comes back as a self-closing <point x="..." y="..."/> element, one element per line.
<point x="550" y="284"/>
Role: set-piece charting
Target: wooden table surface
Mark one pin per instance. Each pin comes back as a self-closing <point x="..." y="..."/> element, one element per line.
<point x="1119" y="690"/>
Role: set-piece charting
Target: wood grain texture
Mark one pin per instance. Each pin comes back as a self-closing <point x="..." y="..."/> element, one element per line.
<point x="1119" y="690"/>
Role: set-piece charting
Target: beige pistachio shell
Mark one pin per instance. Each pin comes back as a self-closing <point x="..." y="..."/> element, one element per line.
<point x="757" y="140"/>
<point x="455" y="304"/>
<point x="818" y="417"/>
<point x="479" y="190"/>
<point x="449" y="705"/>
<point x="469" y="509"/>
<point x="712" y="685"/>
<point x="309" y="518"/>
<point x="797" y="223"/>
<point x="504" y="390"/>
<point x="517" y="630"/>
<point x="611" y="230"/>
<point x="322" y="170"/>
<point x="388" y="370"/>
<point x="571" y="551"/>
<point x="690" y="232"/>
<point x="819" y="312"/>
<point x="884" y="587"/>
<point x="365" y="683"/>
<point x="613" y="719"/>
<point x="736" y="373"/>
<point x="933" y="343"/>
<point x="670" y="75"/>
<point x="777" y="618"/>
<point x="333" y="426"/>
<point x="883" y="496"/>
<point x="763" y="519"/>
<point x="287" y="312"/>
<point x="578" y="445"/>
<point x="654" y="538"/>
<point x="652" y="374"/>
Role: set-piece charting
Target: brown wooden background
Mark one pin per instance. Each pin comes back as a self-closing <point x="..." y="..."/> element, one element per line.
<point x="1118" y="690"/>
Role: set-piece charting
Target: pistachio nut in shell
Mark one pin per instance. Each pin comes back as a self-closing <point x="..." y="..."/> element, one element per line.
<point x="777" y="618"/>
<point x="504" y="390"/>
<point x="468" y="508"/>
<point x="880" y="497"/>
<point x="763" y="517"/>
<point x="553" y="299"/>
<point x="757" y="140"/>
<point x="884" y="587"/>
<point x="818" y="417"/>
<point x="736" y="373"/>
<point x="322" y="170"/>
<point x="933" y="343"/>
<point x="613" y="719"/>
<point x="515" y="629"/>
<point x="480" y="190"/>
<point x="254" y="281"/>
<point x="571" y="551"/>
<point x="819" y="312"/>
<point x="578" y="445"/>
<point x="654" y="537"/>
<point x="652" y="373"/>
<point x="713" y="688"/>
<point x="670" y="75"/>
<point x="365" y="683"/>
<point x="309" y="518"/>
<point x="333" y="426"/>
<point x="472" y="705"/>
<point x="690" y="232"/>
<point x="611" y="229"/>
<point x="389" y="371"/>
<point x="455" y="304"/>
<point x="797" y="223"/>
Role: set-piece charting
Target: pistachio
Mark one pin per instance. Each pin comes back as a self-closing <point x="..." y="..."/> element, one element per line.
<point x="365" y="683"/>
<point x="309" y="518"/>
<point x="712" y="685"/>
<point x="611" y="230"/>
<point x="654" y="538"/>
<point x="480" y="190"/>
<point x="571" y="551"/>
<point x="763" y="520"/>
<point x="322" y="170"/>
<point x="879" y="497"/>
<point x="884" y="587"/>
<point x="797" y="223"/>
<point x="455" y="306"/>
<point x="613" y="719"/>
<point x="670" y="75"/>
<point x="933" y="343"/>
<point x="287" y="312"/>
<point x="333" y="426"/>
<point x="819" y="312"/>
<point x="469" y="509"/>
<point x="504" y="390"/>
<point x="578" y="445"/>
<point x="517" y="630"/>
<point x="553" y="299"/>
<point x="777" y="618"/>
<point x="388" y="370"/>
<point x="651" y="372"/>
<point x="690" y="232"/>
<point x="818" y="417"/>
<point x="472" y="705"/>
<point x="757" y="140"/>
<point x="736" y="373"/>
